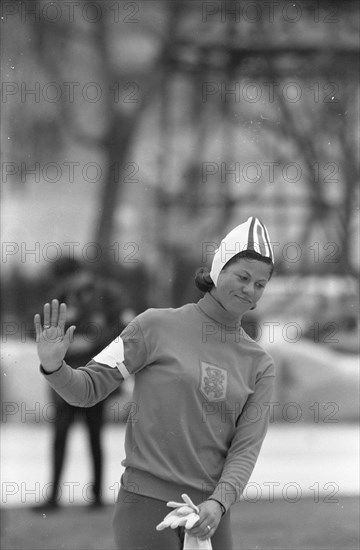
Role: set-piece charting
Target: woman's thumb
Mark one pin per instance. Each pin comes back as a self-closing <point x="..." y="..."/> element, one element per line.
<point x="68" y="338"/>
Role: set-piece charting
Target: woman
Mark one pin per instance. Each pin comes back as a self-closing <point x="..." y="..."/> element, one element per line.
<point x="201" y="388"/>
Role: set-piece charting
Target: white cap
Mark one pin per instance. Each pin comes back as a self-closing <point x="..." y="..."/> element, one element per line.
<point x="251" y="235"/>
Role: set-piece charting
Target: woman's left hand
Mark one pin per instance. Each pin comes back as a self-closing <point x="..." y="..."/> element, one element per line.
<point x="210" y="516"/>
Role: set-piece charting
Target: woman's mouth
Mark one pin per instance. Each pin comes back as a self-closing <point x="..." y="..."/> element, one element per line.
<point x="243" y="299"/>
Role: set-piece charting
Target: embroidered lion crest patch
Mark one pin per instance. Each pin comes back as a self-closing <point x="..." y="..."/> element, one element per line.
<point x="213" y="382"/>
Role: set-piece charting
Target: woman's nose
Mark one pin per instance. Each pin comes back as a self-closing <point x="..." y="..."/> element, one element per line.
<point x="248" y="288"/>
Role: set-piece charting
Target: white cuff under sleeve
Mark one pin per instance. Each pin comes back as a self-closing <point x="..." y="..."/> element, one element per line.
<point x="113" y="356"/>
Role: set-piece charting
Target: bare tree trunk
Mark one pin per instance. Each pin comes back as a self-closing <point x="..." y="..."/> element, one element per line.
<point x="118" y="142"/>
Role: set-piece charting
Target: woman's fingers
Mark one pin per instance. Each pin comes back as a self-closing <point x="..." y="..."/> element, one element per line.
<point x="54" y="313"/>
<point x="54" y="316"/>
<point x="46" y="315"/>
<point x="62" y="317"/>
<point x="210" y="517"/>
<point x="37" y="324"/>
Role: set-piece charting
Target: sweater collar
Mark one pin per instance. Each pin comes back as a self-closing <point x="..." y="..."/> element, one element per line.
<point x="213" y="309"/>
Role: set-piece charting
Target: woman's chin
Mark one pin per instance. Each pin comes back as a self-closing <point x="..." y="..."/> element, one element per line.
<point x="238" y="309"/>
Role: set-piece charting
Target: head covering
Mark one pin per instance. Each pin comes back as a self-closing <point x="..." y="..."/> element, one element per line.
<point x="251" y="235"/>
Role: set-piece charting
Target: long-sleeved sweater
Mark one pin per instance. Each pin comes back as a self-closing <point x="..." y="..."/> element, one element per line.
<point x="201" y="392"/>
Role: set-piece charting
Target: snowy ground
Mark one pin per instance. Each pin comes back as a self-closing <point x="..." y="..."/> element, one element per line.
<point x="297" y="460"/>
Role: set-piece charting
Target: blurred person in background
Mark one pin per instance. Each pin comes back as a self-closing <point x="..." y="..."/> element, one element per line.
<point x="96" y="306"/>
<point x="199" y="380"/>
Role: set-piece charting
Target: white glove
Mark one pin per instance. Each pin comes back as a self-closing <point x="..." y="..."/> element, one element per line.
<point x="185" y="514"/>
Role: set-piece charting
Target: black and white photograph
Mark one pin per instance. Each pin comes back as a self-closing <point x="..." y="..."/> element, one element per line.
<point x="180" y="265"/>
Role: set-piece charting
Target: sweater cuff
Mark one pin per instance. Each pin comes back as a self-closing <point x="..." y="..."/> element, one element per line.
<point x="225" y="494"/>
<point x="223" y="509"/>
<point x="58" y="378"/>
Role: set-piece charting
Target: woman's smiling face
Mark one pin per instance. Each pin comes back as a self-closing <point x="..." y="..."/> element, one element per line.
<point x="241" y="284"/>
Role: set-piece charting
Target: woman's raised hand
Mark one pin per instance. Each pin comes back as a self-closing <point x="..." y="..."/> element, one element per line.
<point x="52" y="341"/>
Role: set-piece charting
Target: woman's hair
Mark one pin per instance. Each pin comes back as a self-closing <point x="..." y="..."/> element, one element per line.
<point x="203" y="280"/>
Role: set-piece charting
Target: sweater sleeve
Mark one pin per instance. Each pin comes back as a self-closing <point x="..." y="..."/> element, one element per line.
<point x="86" y="386"/>
<point x="245" y="447"/>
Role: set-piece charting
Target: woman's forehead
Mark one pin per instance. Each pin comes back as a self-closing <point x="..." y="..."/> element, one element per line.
<point x="255" y="268"/>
